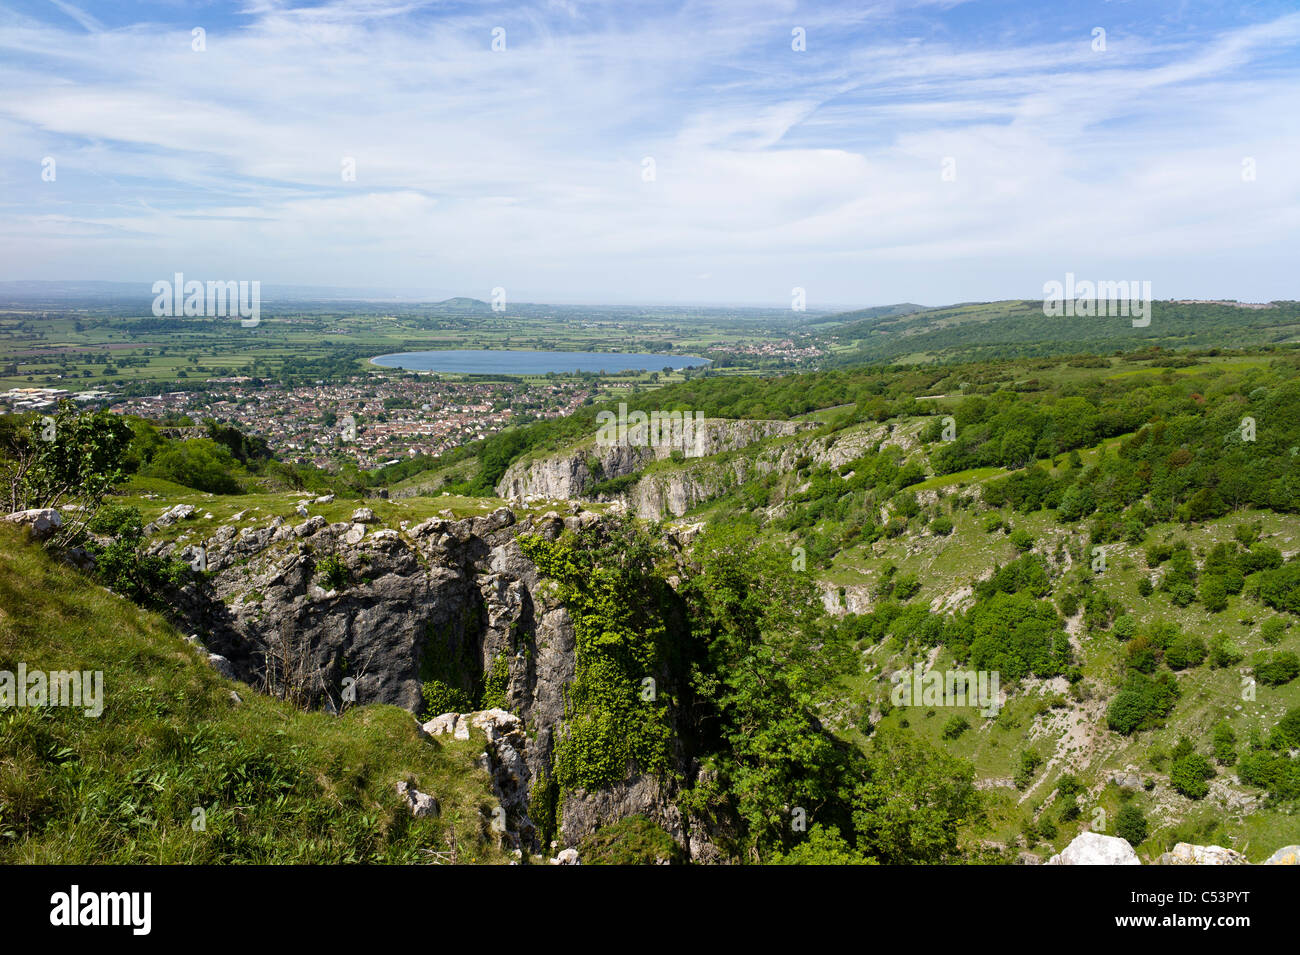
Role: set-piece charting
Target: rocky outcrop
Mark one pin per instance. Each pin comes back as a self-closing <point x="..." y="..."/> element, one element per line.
<point x="420" y="804"/>
<point x="573" y="473"/>
<point x="41" y="523"/>
<point x="1287" y="855"/>
<point x="1184" y="853"/>
<point x="1092" y="848"/>
<point x="674" y="490"/>
<point x="450" y="600"/>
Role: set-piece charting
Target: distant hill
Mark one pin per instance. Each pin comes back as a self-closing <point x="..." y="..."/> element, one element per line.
<point x="973" y="331"/>
<point x="865" y="314"/>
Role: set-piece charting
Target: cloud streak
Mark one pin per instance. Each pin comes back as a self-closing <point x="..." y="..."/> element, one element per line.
<point x="772" y="168"/>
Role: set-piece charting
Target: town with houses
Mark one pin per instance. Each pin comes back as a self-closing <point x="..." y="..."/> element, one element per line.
<point x="370" y="420"/>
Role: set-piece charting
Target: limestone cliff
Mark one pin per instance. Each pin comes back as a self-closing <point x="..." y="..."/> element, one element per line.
<point x="451" y="598"/>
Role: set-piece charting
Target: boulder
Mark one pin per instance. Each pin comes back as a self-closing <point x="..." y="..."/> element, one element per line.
<point x="324" y="499"/>
<point x="180" y="512"/>
<point x="354" y="534"/>
<point x="222" y="666"/>
<point x="566" y="857"/>
<point x="420" y="804"/>
<point x="1092" y="848"/>
<point x="448" y="724"/>
<point x="1187" y="854"/>
<point x="1130" y="780"/>
<point x="307" y="528"/>
<point x="1287" y="855"/>
<point x="363" y="515"/>
<point x="41" y="522"/>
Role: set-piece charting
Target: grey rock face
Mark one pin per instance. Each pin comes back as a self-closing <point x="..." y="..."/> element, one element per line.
<point x="446" y="600"/>
<point x="572" y="474"/>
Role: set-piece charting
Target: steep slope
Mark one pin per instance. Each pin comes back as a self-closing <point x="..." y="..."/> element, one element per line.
<point x="185" y="766"/>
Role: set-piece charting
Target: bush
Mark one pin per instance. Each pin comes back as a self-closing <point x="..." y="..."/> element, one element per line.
<point x="941" y="526"/>
<point x="200" y="463"/>
<point x="1224" y="653"/>
<point x="1029" y="763"/>
<point x="1131" y="824"/>
<point x="1144" y="587"/>
<point x="1125" y="626"/>
<point x="1282" y="668"/>
<point x="1021" y="540"/>
<point x="906" y="586"/>
<point x="1273" y="630"/>
<point x="1225" y="744"/>
<point x="1214" y="594"/>
<point x="1186" y="650"/>
<point x="335" y="574"/>
<point x="1142" y="703"/>
<point x="1189" y="775"/>
<point x="955" y="726"/>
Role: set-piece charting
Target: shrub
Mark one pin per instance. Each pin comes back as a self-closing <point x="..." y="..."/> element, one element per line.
<point x="1224" y="653"/>
<point x="1282" y="668"/>
<point x="1189" y="775"/>
<point x="955" y="726"/>
<point x="1142" y="703"/>
<point x="1214" y="594"/>
<point x="1273" y="630"/>
<point x="1021" y="540"/>
<point x="1131" y="824"/>
<point x="334" y="572"/>
<point x="1186" y="650"/>
<point x="1225" y="744"/>
<point x="941" y="526"/>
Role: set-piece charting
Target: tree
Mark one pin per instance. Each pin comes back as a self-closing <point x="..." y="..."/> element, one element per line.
<point x="1189" y="774"/>
<point x="824" y="846"/>
<point x="772" y="656"/>
<point x="1131" y="824"/>
<point x="912" y="802"/>
<point x="1214" y="594"/>
<point x="68" y="460"/>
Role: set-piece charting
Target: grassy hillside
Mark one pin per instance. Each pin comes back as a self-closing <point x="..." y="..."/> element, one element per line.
<point x="276" y="784"/>
<point x="980" y="330"/>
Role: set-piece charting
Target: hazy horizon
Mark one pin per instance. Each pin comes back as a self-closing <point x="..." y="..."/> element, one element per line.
<point x="673" y="153"/>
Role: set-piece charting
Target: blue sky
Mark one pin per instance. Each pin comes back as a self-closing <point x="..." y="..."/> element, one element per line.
<point x="525" y="168"/>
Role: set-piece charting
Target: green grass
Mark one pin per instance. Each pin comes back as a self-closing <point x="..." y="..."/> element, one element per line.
<point x="278" y="785"/>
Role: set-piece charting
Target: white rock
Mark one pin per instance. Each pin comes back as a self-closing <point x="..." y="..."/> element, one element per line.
<point x="1187" y="854"/>
<point x="324" y="499"/>
<point x="566" y="857"/>
<point x="302" y="510"/>
<point x="42" y="522"/>
<point x="363" y="515"/>
<point x="354" y="534"/>
<point x="494" y="723"/>
<point x="1092" y="848"/>
<point x="420" y="804"/>
<point x="1287" y="855"/>
<point x="222" y="666"/>
<point x="447" y="724"/>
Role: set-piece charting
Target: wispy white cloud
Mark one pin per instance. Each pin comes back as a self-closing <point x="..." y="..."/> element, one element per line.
<point x="773" y="168"/>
